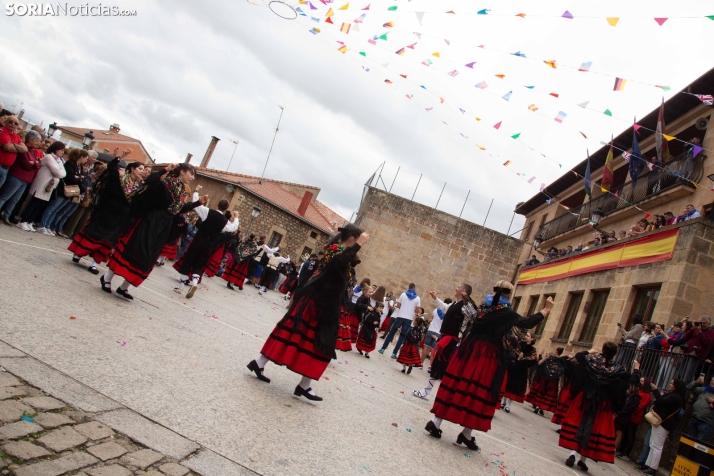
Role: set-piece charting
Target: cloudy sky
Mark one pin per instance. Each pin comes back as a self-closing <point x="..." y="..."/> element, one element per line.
<point x="180" y="72"/>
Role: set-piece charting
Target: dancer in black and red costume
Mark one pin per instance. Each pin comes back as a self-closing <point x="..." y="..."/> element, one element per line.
<point x="517" y="378"/>
<point x="304" y="339"/>
<point x="469" y="392"/>
<point x="599" y="385"/>
<point x="237" y="272"/>
<point x="409" y="355"/>
<point x="162" y="199"/>
<point x="112" y="215"/>
<point x="565" y="397"/>
<point x="543" y="394"/>
<point x="368" y="333"/>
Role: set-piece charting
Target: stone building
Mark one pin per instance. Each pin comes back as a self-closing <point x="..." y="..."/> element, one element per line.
<point x="662" y="274"/>
<point x="411" y="242"/>
<point x="290" y="214"/>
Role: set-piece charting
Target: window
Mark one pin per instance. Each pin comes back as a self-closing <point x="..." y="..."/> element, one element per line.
<point x="306" y="251"/>
<point x="527" y="234"/>
<point x="516" y="302"/>
<point x="592" y="321"/>
<point x="567" y="327"/>
<point x="532" y="304"/>
<point x="542" y="220"/>
<point x="539" y="328"/>
<point x="275" y="239"/>
<point x="645" y="301"/>
<point x="313" y="235"/>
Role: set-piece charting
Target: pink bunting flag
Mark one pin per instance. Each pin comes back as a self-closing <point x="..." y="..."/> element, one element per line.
<point x="412" y="45"/>
<point x="453" y="73"/>
<point x="372" y="42"/>
<point x="447" y="42"/>
<point x="636" y="127"/>
<point x="367" y="7"/>
<point x="498" y="125"/>
<point x="542" y="187"/>
<point x="660" y="21"/>
<point x="530" y="180"/>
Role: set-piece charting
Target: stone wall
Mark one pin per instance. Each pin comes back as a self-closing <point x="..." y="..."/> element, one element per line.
<point x="685" y="281"/>
<point x="415" y="243"/>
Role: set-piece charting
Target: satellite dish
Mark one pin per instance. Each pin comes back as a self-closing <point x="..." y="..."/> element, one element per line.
<point x="230" y="188"/>
<point x="702" y="123"/>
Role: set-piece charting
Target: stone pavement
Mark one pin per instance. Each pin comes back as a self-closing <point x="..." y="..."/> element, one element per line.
<point x="167" y="374"/>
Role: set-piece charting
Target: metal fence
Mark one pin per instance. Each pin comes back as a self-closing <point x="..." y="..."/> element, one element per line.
<point x="682" y="170"/>
<point x="663" y="367"/>
<point x="495" y="214"/>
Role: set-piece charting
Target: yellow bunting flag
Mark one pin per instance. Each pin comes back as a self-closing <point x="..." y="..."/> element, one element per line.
<point x="436" y="54"/>
<point x="533" y="107"/>
<point x="613" y="20"/>
<point x="342" y="49"/>
<point x="668" y="137"/>
<point x="346" y="6"/>
<point x="329" y="13"/>
<point x="550" y="63"/>
<point x="345" y="28"/>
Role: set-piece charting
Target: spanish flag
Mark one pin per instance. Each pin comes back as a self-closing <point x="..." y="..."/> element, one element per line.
<point x="607" y="174"/>
<point x="345" y="28"/>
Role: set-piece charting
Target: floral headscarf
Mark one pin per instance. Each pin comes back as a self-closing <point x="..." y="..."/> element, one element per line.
<point x="177" y="190"/>
<point x="129" y="186"/>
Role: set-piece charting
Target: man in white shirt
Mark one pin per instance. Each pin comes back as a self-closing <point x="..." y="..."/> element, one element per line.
<point x="271" y="270"/>
<point x="402" y="318"/>
<point x="433" y="333"/>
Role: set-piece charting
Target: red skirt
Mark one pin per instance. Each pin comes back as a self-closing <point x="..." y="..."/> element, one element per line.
<point x="344" y="337"/>
<point x="295" y="348"/>
<point x="237" y="272"/>
<point x="544" y="394"/>
<point x="170" y="250"/>
<point x="215" y="262"/>
<point x="83" y="245"/>
<point x="565" y="400"/>
<point x="385" y="325"/>
<point x="601" y="446"/>
<point x="464" y="396"/>
<point x="409" y="355"/>
<point x="122" y="266"/>
<point x="365" y="346"/>
<point x="354" y="327"/>
<point x="514" y="397"/>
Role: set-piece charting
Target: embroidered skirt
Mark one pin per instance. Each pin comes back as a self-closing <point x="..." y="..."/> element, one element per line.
<point x="409" y="355"/>
<point x="237" y="272"/>
<point x="565" y="400"/>
<point x="544" y="394"/>
<point x="83" y="245"/>
<point x="344" y="337"/>
<point x="363" y="344"/>
<point x="600" y="446"/>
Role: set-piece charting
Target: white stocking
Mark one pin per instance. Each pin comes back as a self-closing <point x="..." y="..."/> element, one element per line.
<point x="94" y="264"/>
<point x="261" y="361"/>
<point x="437" y="422"/>
<point x="124" y="286"/>
<point x="305" y="384"/>
<point x="108" y="277"/>
<point x="194" y="280"/>
<point x="467" y="433"/>
<point x="508" y="402"/>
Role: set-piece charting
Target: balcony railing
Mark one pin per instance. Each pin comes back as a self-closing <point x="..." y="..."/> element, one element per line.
<point x="662" y="367"/>
<point x="682" y="170"/>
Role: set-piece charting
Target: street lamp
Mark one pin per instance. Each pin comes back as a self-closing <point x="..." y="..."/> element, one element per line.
<point x="253" y="215"/>
<point x="88" y="138"/>
<point x="51" y="129"/>
<point x="597" y="215"/>
<point x="537" y="240"/>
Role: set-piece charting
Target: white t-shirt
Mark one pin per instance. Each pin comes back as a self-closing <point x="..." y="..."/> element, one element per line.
<point x="643" y="340"/>
<point x="406" y="311"/>
<point x="437" y="321"/>
<point x="356" y="294"/>
<point x="385" y="311"/>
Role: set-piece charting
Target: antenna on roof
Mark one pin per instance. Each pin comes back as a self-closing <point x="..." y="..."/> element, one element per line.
<point x="277" y="128"/>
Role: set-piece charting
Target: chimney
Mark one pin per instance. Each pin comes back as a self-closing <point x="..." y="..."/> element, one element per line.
<point x="188" y="158"/>
<point x="20" y="114"/>
<point x="306" y="199"/>
<point x="209" y="151"/>
<point x="114" y="128"/>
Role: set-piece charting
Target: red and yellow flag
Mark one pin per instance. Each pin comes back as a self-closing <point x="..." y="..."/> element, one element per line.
<point x="607" y="173"/>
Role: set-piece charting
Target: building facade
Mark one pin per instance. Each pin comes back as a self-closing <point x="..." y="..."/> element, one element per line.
<point x="106" y="142"/>
<point x="661" y="274"/>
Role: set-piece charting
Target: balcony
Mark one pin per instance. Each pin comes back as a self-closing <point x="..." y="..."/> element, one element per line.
<point x="660" y="185"/>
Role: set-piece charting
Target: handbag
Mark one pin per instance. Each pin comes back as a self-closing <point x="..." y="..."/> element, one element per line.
<point x="655" y="420"/>
<point x="71" y="190"/>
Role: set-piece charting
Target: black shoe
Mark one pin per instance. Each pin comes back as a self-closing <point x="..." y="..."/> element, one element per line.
<point x="582" y="466"/>
<point x="301" y="392"/>
<point x="93" y="270"/>
<point x="507" y="410"/>
<point x="570" y="462"/>
<point x="230" y="286"/>
<point x="240" y="288"/>
<point x="433" y="430"/>
<point x="253" y="366"/>
<point x="75" y="259"/>
<point x="540" y="412"/>
<point x="6" y="221"/>
<point x="124" y="294"/>
<point x="403" y="371"/>
<point x="409" y="370"/>
<point x="106" y="287"/>
<point x="366" y="356"/>
<point x="360" y="352"/>
<point x="503" y="405"/>
<point x="536" y="410"/>
<point x="470" y="444"/>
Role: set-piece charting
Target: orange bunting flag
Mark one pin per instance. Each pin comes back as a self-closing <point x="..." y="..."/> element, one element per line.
<point x="612" y="21"/>
<point x="442" y="100"/>
<point x="342" y="49"/>
<point x="346" y="6"/>
<point x="500" y="75"/>
<point x="550" y="63"/>
<point x="389" y="24"/>
<point x="522" y="15"/>
<point x="403" y="76"/>
<point x="555" y="95"/>
<point x="480" y="147"/>
<point x="329" y="13"/>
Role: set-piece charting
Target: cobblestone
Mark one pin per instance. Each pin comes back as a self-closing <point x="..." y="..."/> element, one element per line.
<point x="112" y="470"/>
<point x="70" y="462"/>
<point x="62" y="439"/>
<point x="106" y="451"/>
<point x="94" y="430"/>
<point x="12" y="410"/>
<point x="173" y="469"/>
<point x="9" y="392"/>
<point x="25" y="450"/>
<point x="142" y="459"/>
<point x="52" y="420"/>
<point x="18" y="430"/>
<point x="8" y="380"/>
<point x="43" y="403"/>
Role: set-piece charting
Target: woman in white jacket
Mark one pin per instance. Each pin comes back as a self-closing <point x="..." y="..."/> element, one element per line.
<point x="45" y="182"/>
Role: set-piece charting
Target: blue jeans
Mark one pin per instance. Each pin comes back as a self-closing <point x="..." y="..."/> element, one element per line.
<point x="52" y="208"/>
<point x="62" y="215"/>
<point x="10" y="194"/>
<point x="3" y="175"/>
<point x="431" y="339"/>
<point x="699" y="429"/>
<point x="645" y="448"/>
<point x="399" y="323"/>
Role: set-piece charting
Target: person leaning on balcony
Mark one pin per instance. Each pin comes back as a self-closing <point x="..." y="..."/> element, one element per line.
<point x="642" y="226"/>
<point x="699" y="339"/>
<point x="622" y="235"/>
<point x="649" y="329"/>
<point x="701" y="424"/>
<point x="659" y="221"/>
<point x="609" y="237"/>
<point x="533" y="261"/>
<point x="689" y="213"/>
<point x="633" y="335"/>
<point x="669" y="218"/>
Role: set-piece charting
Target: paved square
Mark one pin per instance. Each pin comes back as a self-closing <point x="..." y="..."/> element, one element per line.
<point x="181" y="363"/>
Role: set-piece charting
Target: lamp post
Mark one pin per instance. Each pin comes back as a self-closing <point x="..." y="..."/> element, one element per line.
<point x="87" y="141"/>
<point x="51" y="129"/>
<point x="253" y="215"/>
<point x="595" y="218"/>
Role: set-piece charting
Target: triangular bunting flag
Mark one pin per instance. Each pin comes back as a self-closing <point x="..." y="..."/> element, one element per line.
<point x="668" y="137"/>
<point x="447" y="42"/>
<point x="533" y="108"/>
<point x="636" y="127"/>
<point x="507" y="163"/>
<point x="418" y="35"/>
<point x="436" y="54"/>
<point x="451" y="12"/>
<point x="559" y="118"/>
<point x="345" y="28"/>
<point x="361" y="18"/>
<point x="555" y="95"/>
<point x="403" y="76"/>
<point x="530" y="180"/>
<point x="500" y="75"/>
<point x="507" y="96"/>
<point x="346" y="6"/>
<point x="388" y="81"/>
<point x="585" y="66"/>
<point x="453" y="73"/>
<point x="516" y="136"/>
<point x="389" y="24"/>
<point x="401" y="52"/>
<point x="550" y="63"/>
<point x="312" y="7"/>
<point x="583" y="134"/>
<point x="329" y="20"/>
<point x="420" y="16"/>
<point x="482" y="85"/>
<point x="518" y="53"/>
<point x="384" y="65"/>
<point x="619" y="84"/>
<point x="470" y="65"/>
<point x="442" y="100"/>
<point x="664" y="88"/>
<point x="315" y="31"/>
<point x="612" y="20"/>
<point x="342" y="49"/>
<point x="660" y="21"/>
<point x="584" y="104"/>
<point x="608" y="112"/>
<point x="695" y="150"/>
<point x="329" y="13"/>
<point x="382" y="37"/>
<point x="567" y="15"/>
<point x="367" y="7"/>
<point x="484" y="11"/>
<point x="393" y="8"/>
<point x="462" y="110"/>
<point x="497" y="125"/>
<point x="363" y="53"/>
<point x="529" y="87"/>
<point x="412" y="45"/>
<point x="522" y="15"/>
<point x="355" y="27"/>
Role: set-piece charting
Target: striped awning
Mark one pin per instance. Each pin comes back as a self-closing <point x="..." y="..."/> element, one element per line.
<point x="650" y="249"/>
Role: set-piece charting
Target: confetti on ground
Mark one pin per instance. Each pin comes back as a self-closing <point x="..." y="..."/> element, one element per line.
<point x="368" y="470"/>
<point x="72" y="318"/>
<point x="395" y="425"/>
<point x="326" y="378"/>
<point x="402" y="391"/>
<point x="362" y="371"/>
<point x="123" y="343"/>
<point x="28" y="419"/>
<point x="409" y="430"/>
<point x="467" y="455"/>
